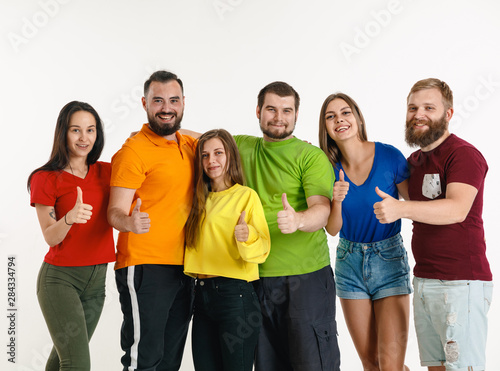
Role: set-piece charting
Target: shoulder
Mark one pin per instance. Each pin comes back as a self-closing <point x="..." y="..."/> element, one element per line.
<point x="387" y="149"/>
<point x="246" y="140"/>
<point x="459" y="149"/>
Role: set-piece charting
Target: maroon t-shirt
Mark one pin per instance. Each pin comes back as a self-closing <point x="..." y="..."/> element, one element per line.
<point x="456" y="251"/>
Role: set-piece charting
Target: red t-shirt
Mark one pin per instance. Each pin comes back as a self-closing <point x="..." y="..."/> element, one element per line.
<point x="456" y="251"/>
<point x="85" y="244"/>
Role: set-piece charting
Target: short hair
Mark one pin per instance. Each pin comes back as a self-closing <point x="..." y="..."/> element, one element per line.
<point x="326" y="143"/>
<point x="163" y="77"/>
<point x="433" y="83"/>
<point x="281" y="89"/>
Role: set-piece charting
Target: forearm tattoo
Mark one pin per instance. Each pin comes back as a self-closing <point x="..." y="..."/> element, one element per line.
<point x="52" y="214"/>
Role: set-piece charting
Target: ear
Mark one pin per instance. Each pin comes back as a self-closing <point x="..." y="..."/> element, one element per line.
<point x="144" y="105"/>
<point x="449" y="114"/>
<point x="257" y="111"/>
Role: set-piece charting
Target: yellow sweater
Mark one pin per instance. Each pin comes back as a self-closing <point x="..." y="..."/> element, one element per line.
<point x="217" y="252"/>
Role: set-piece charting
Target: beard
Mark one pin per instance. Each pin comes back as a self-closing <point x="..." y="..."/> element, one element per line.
<point x="436" y="130"/>
<point x="162" y="129"/>
<point x="276" y="135"/>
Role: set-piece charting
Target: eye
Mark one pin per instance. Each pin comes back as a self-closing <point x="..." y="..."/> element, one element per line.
<point x="329" y="117"/>
<point x="346" y="113"/>
<point x="204" y="155"/>
<point x="174" y="100"/>
<point x="219" y="153"/>
<point x="157" y="100"/>
<point x="411" y="109"/>
<point x="429" y="108"/>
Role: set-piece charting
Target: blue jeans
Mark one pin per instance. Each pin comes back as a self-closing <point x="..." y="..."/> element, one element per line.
<point x="372" y="270"/>
<point x="451" y="322"/>
<point x="71" y="299"/>
<point x="226" y="325"/>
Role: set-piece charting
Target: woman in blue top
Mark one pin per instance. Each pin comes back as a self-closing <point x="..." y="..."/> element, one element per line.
<point x="372" y="272"/>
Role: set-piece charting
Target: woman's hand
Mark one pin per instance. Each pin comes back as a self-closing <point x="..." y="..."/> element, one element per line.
<point x="340" y="188"/>
<point x="241" y="229"/>
<point x="81" y="212"/>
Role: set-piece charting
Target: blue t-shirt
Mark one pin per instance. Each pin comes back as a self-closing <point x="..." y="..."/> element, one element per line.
<point x="359" y="223"/>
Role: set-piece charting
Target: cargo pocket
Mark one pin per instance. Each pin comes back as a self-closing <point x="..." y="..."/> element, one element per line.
<point x="326" y="336"/>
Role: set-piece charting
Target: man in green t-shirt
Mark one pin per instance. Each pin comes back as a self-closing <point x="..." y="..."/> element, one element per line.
<point x="297" y="290"/>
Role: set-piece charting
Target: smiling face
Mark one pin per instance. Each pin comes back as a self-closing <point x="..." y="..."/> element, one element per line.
<point x="81" y="134"/>
<point x="277" y="117"/>
<point x="426" y="118"/>
<point x="164" y="104"/>
<point x="213" y="157"/>
<point x="340" y="121"/>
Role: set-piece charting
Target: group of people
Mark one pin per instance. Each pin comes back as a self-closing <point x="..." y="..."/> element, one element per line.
<point x="230" y="230"/>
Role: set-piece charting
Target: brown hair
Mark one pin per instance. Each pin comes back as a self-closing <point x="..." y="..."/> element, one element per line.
<point x="59" y="158"/>
<point x="234" y="175"/>
<point x="432" y="83"/>
<point x="281" y="89"/>
<point x="326" y="143"/>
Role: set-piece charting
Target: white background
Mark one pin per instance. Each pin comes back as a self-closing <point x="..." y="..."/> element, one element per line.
<point x="225" y="51"/>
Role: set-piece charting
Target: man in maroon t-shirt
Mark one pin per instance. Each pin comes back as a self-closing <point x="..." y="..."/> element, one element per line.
<point x="452" y="272"/>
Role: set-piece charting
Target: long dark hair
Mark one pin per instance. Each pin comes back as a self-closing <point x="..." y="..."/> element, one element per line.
<point x="59" y="158"/>
<point x="202" y="187"/>
<point x="326" y="143"/>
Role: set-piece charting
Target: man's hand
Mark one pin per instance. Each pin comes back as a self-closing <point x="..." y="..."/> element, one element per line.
<point x="139" y="221"/>
<point x="241" y="229"/>
<point x="388" y="210"/>
<point x="80" y="213"/>
<point x="288" y="219"/>
<point x="340" y="188"/>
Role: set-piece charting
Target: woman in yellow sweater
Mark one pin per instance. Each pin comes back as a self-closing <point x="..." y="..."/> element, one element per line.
<point x="226" y="238"/>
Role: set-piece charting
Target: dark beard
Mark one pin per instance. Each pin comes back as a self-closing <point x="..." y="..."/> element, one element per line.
<point x="274" y="136"/>
<point x="164" y="130"/>
<point x="436" y="130"/>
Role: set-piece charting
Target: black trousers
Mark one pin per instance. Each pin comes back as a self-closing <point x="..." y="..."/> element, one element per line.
<point x="299" y="331"/>
<point x="156" y="301"/>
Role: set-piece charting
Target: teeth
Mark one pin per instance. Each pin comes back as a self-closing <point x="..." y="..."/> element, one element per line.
<point x="341" y="129"/>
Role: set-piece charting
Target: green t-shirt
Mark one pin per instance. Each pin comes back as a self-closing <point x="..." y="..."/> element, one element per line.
<point x="300" y="170"/>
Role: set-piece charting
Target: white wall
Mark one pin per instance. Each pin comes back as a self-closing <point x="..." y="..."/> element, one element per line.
<point x="55" y="51"/>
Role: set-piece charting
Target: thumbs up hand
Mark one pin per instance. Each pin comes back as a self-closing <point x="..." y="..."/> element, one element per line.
<point x="241" y="229"/>
<point x="340" y="188"/>
<point x="140" y="221"/>
<point x="387" y="210"/>
<point x="81" y="212"/>
<point x="287" y="218"/>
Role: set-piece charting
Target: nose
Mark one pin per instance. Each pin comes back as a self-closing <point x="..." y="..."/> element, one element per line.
<point x="420" y="113"/>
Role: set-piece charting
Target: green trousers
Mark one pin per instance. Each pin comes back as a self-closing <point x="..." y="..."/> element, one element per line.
<point x="71" y="299"/>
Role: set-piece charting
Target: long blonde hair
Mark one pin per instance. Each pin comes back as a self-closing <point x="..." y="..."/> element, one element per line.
<point x="202" y="186"/>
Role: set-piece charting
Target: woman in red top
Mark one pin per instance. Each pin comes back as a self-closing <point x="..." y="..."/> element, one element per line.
<point x="70" y="193"/>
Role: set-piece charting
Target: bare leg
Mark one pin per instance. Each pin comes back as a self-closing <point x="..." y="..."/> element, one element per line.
<point x="392" y="323"/>
<point x="360" y="320"/>
<point x="437" y="368"/>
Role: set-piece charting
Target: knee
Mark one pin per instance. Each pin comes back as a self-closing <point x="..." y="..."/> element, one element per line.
<point x="451" y="351"/>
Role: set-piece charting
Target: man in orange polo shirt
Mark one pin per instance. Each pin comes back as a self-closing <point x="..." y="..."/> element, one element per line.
<point x="151" y="196"/>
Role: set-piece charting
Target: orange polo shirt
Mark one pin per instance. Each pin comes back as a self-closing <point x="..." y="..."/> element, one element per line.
<point x="161" y="172"/>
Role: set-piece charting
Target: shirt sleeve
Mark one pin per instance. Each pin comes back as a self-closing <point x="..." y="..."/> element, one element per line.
<point x="127" y="169"/>
<point x="43" y="189"/>
<point x="466" y="165"/>
<point x="256" y="248"/>
<point x="318" y="176"/>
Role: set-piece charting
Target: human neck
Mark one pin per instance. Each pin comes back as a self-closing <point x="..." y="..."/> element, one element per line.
<point x="355" y="151"/>
<point x="218" y="185"/>
<point x="78" y="167"/>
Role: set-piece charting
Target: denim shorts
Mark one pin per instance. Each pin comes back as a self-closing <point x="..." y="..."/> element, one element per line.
<point x="372" y="270"/>
<point x="451" y="322"/>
